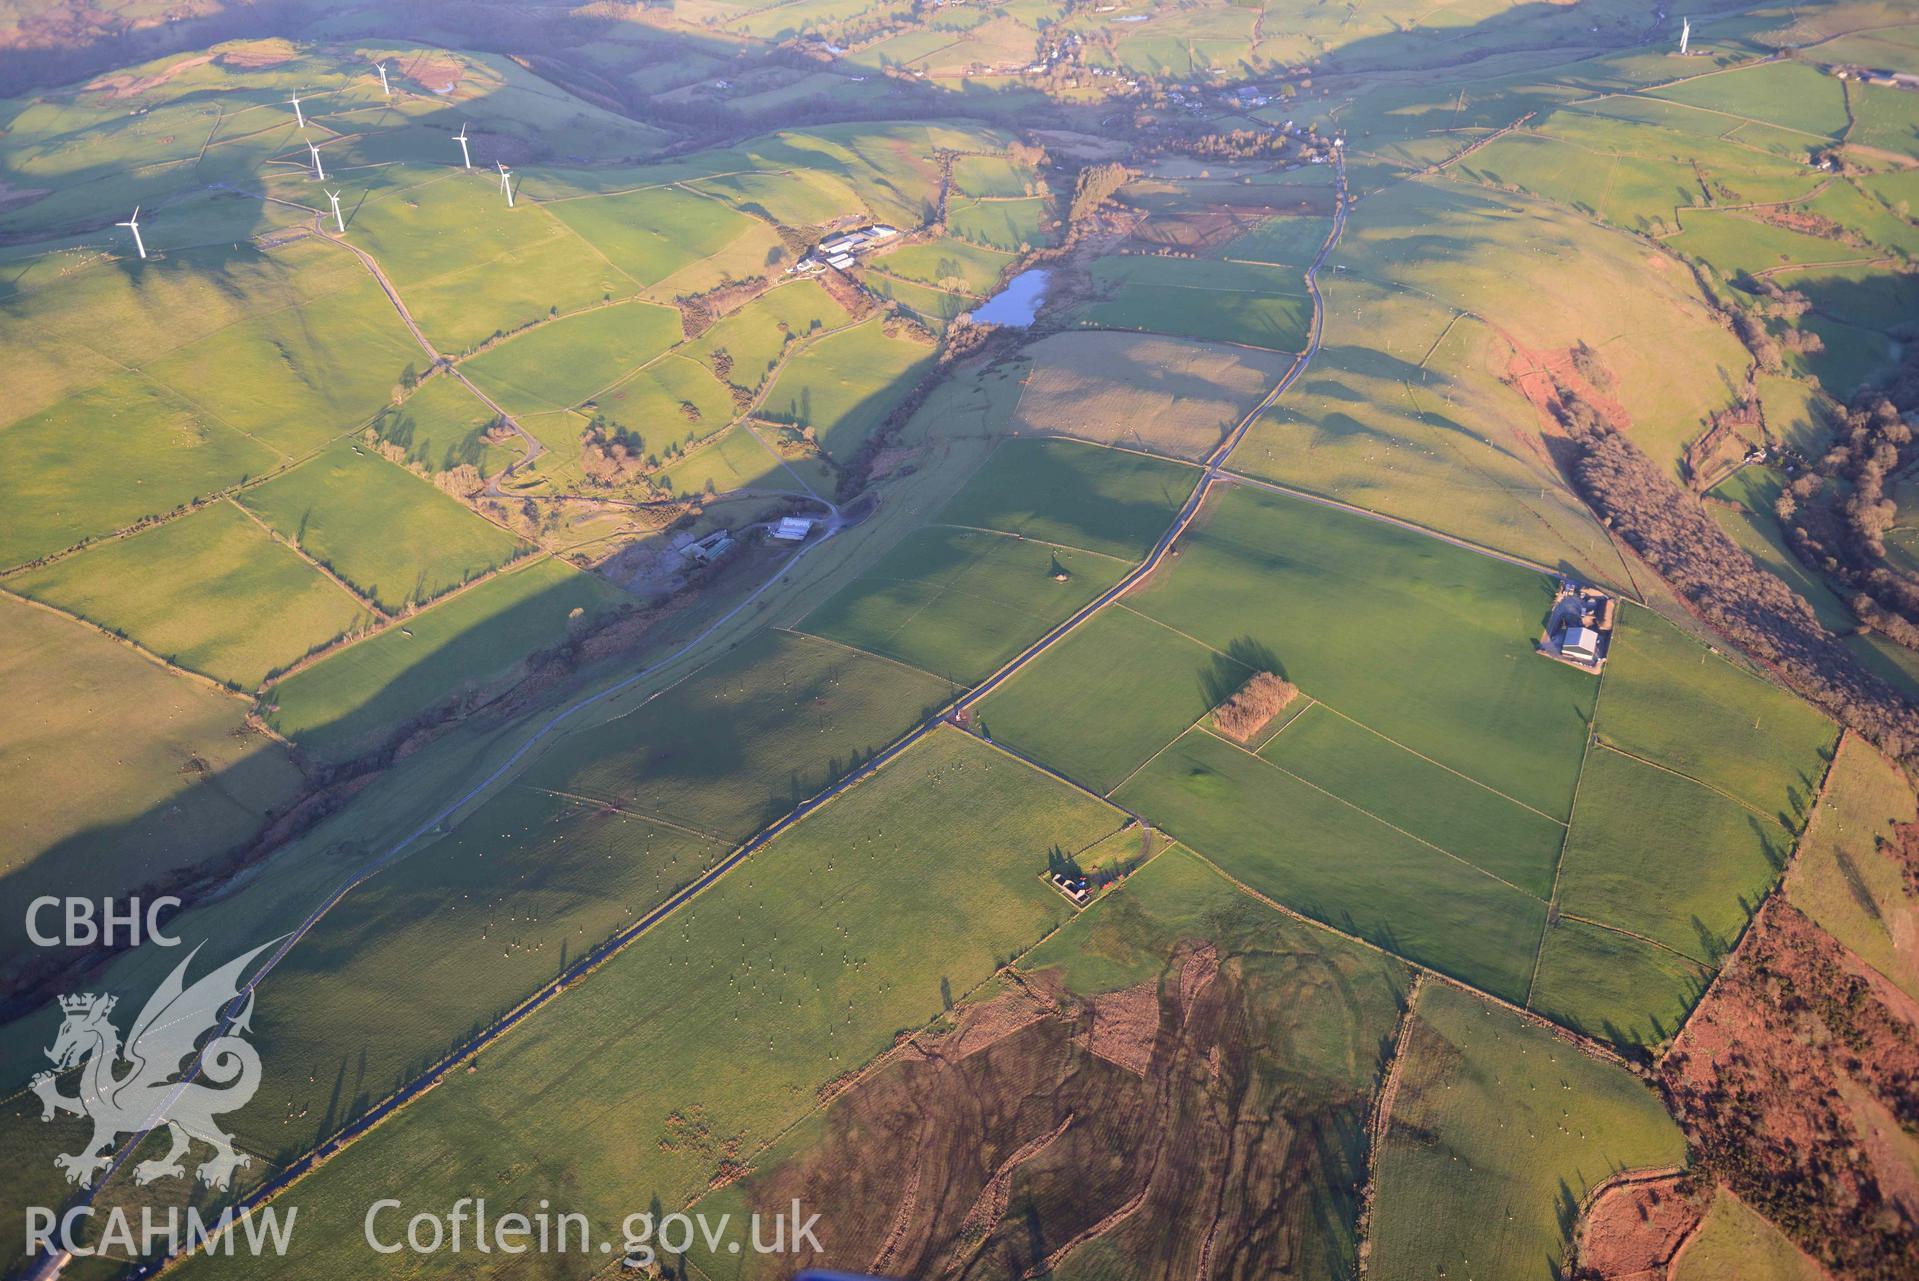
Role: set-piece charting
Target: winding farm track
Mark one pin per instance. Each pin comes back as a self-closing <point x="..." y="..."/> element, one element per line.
<point x="1214" y="463"/>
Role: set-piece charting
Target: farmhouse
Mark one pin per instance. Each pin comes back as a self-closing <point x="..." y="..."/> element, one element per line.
<point x="1579" y="626"/>
<point x="1072" y="885"/>
<point x="1581" y="643"/>
<point x="843" y="250"/>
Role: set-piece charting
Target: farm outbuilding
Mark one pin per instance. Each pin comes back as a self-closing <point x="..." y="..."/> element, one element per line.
<point x="793" y="529"/>
<point x="1581" y="643"/>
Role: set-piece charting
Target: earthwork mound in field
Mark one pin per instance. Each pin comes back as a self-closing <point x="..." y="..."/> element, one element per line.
<point x="1163" y="395"/>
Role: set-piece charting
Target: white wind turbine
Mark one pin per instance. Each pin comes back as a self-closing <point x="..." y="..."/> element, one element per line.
<point x="298" y="114"/>
<point x="385" y="88"/>
<point x="318" y="171"/>
<point x="464" y="153"/>
<point x="506" y="184"/>
<point x="1685" y="37"/>
<point x="133" y="224"/>
<point x="338" y="221"/>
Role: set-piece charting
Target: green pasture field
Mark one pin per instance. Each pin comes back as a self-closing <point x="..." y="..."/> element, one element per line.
<point x="655" y="232"/>
<point x="66" y="330"/>
<point x="921" y="880"/>
<point x="394" y="537"/>
<point x="808" y="177"/>
<point x="1061" y="491"/>
<point x="1127" y="936"/>
<point x="1890" y="47"/>
<point x="1885" y="119"/>
<point x="933" y="306"/>
<point x="1226" y="302"/>
<point x="653" y="402"/>
<point x="1336" y="602"/>
<point x="1734" y="1241"/>
<point x="960" y="603"/>
<point x="844" y="385"/>
<point x="1848" y="203"/>
<point x="462" y="310"/>
<point x="1796" y="413"/>
<point x="189" y="780"/>
<point x="1872" y="298"/>
<point x="1671" y="700"/>
<point x="737" y="460"/>
<point x="1401" y="413"/>
<point x="1755" y="527"/>
<point x="1010" y="225"/>
<point x="451" y="936"/>
<point x="993" y="176"/>
<point x="1673" y="363"/>
<point x="111" y="456"/>
<point x="562" y="435"/>
<point x="1097" y="705"/>
<point x="1156" y="394"/>
<point x="211" y="591"/>
<point x="296" y="379"/>
<point x="780" y="717"/>
<point x="1462" y="817"/>
<point x="1289" y="240"/>
<point x="755" y="336"/>
<point x="470" y="268"/>
<point x="949" y="264"/>
<point x="1899" y="189"/>
<point x="449" y="223"/>
<point x="1124" y="852"/>
<point x="1661" y="856"/>
<point x="1842" y="878"/>
<point x="1731" y="242"/>
<point x="1497" y="1128"/>
<point x="563" y="362"/>
<point x="442" y="425"/>
<point x="346" y="703"/>
<point x="1613" y="986"/>
<point x="1636" y="174"/>
<point x="1789" y="94"/>
<point x="1852" y="358"/>
<point x="1322" y="857"/>
<point x="792" y="198"/>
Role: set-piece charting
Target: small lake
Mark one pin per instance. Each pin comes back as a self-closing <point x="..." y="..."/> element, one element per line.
<point x="1019" y="302"/>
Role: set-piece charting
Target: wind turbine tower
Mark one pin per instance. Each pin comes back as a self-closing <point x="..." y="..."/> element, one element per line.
<point x="385" y="88"/>
<point x="1685" y="35"/>
<point x="464" y="153"/>
<point x="133" y="224"/>
<point x="338" y="221"/>
<point x="318" y="171"/>
<point x="506" y="184"/>
<point x="298" y="114"/>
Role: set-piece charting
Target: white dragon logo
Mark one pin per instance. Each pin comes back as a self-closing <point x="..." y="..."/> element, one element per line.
<point x="146" y="1096"/>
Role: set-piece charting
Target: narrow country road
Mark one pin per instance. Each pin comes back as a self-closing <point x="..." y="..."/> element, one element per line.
<point x="434" y="359"/>
<point x="533" y="447"/>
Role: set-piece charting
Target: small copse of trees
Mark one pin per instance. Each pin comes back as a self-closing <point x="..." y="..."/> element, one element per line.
<point x="1253" y="706"/>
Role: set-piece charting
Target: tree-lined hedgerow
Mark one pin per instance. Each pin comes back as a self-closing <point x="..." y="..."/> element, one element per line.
<point x="1756" y="610"/>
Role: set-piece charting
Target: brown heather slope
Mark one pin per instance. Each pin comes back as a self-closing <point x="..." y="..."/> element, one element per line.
<point x="1797" y="1081"/>
<point x="1047" y="1132"/>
